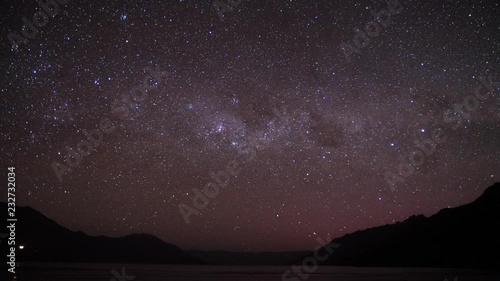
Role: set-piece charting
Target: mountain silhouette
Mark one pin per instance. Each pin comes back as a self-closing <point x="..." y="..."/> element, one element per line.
<point x="467" y="236"/>
<point x="47" y="241"/>
<point x="463" y="237"/>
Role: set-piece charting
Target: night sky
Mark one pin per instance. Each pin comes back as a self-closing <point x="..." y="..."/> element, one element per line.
<point x="313" y="114"/>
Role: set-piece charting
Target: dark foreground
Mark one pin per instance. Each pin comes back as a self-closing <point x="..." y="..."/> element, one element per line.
<point x="129" y="272"/>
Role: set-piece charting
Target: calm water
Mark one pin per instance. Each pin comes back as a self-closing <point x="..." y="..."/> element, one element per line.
<point x="88" y="272"/>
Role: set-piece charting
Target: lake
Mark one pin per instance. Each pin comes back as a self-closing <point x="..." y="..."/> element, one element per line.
<point x="129" y="272"/>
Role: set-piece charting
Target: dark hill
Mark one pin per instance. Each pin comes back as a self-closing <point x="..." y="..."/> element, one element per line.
<point x="45" y="240"/>
<point x="463" y="237"/>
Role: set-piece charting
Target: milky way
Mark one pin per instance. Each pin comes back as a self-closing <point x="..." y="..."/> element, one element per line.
<point x="314" y="115"/>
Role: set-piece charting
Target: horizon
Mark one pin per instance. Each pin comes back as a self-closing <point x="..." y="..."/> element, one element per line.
<point x="259" y="252"/>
